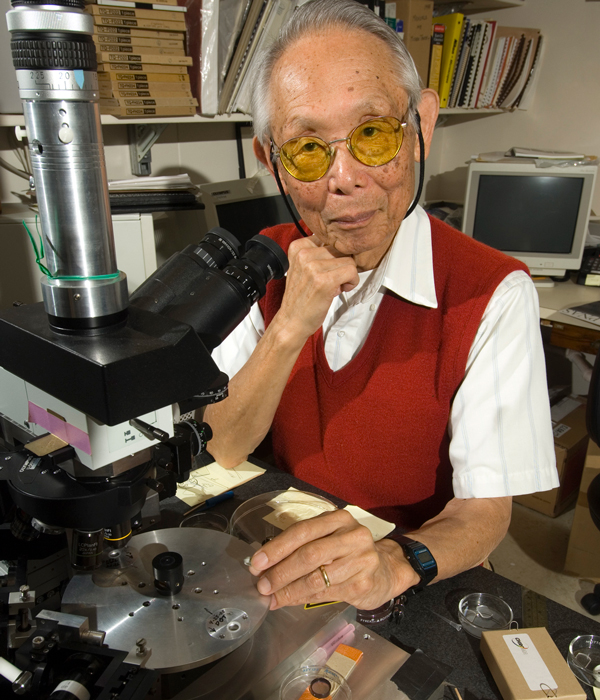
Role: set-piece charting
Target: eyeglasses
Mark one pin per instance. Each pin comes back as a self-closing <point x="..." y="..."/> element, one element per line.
<point x="374" y="142"/>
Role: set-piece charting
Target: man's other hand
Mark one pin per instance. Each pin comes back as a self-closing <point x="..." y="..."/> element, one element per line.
<point x="317" y="274"/>
<point x="361" y="572"/>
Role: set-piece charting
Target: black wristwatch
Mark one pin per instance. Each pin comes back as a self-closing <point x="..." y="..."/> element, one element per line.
<point x="420" y="558"/>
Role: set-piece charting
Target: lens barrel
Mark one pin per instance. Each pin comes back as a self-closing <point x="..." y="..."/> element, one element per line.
<point x="55" y="60"/>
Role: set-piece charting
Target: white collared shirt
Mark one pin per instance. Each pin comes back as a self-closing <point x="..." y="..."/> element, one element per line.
<point x="500" y="428"/>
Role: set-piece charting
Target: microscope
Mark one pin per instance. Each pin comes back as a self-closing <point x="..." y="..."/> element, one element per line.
<point x="97" y="396"/>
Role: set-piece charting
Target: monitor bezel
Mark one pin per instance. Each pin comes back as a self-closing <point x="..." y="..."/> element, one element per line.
<point x="550" y="264"/>
<point x="231" y="191"/>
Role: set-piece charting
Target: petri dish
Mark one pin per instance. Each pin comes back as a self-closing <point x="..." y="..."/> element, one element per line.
<point x="478" y="612"/>
<point x="207" y="521"/>
<point x="263" y="517"/>
<point x="314" y="682"/>
<point x="584" y="658"/>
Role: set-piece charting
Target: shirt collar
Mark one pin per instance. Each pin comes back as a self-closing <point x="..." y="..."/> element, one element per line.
<point x="406" y="268"/>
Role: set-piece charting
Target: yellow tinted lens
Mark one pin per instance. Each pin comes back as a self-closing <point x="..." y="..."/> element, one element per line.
<point x="305" y="158"/>
<point x="377" y="141"/>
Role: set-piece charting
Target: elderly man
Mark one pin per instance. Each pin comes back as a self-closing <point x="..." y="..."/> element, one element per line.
<point x="399" y="364"/>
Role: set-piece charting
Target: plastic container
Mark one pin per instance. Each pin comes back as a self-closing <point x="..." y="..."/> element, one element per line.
<point x="261" y="518"/>
<point x="479" y="612"/>
<point x="584" y="658"/>
<point x="314" y="682"/>
<point x="207" y="520"/>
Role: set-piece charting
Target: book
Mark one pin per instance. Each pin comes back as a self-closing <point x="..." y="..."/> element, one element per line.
<point x="115" y="40"/>
<point x="128" y="50"/>
<point x="494" y="65"/>
<point x="484" y="62"/>
<point x="277" y="15"/>
<point x="143" y="75"/>
<point x="126" y="4"/>
<point x="453" y="24"/>
<point x="110" y="32"/>
<point x="526" y="96"/>
<point x="155" y="87"/>
<point x="159" y="58"/>
<point x="478" y="28"/>
<point x="435" y="57"/>
<point x="151" y="102"/>
<point x="518" y="85"/>
<point x="589" y="312"/>
<point x="461" y="63"/>
<point x="511" y="45"/>
<point x="116" y="94"/>
<point x="148" y="111"/>
<point x="135" y="13"/>
<point x="141" y="67"/>
<point x="139" y="23"/>
<point x="257" y="7"/>
<point x="117" y="3"/>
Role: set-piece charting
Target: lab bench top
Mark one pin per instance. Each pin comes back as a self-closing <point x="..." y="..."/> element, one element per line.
<point x="420" y="627"/>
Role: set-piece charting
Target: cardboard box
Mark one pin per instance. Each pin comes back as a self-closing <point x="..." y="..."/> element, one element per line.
<point x="583" y="557"/>
<point x="527" y="665"/>
<point x="570" y="445"/>
<point x="417" y="16"/>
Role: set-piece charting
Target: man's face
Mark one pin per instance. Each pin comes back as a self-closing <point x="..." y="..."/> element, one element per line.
<point x="325" y="85"/>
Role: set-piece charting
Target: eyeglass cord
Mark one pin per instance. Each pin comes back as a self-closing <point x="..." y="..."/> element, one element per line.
<point x="410" y="209"/>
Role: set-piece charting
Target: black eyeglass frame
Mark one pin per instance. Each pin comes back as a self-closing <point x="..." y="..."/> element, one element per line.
<point x="276" y="150"/>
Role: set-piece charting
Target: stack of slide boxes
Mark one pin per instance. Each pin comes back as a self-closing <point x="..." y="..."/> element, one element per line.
<point x="142" y="64"/>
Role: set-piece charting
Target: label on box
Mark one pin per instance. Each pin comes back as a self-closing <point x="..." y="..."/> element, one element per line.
<point x="559" y="429"/>
<point x="530" y="663"/>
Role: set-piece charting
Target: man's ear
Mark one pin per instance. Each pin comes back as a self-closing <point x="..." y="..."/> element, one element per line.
<point x="429" y="108"/>
<point x="263" y="153"/>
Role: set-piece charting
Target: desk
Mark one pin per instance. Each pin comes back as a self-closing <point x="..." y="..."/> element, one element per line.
<point x="420" y="628"/>
<point x="566" y="331"/>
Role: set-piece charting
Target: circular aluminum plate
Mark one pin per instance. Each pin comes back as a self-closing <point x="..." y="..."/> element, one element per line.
<point x="180" y="629"/>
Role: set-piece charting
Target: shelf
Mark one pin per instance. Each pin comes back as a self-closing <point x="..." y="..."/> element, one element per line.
<point x="472" y="6"/>
<point x="11" y="120"/>
<point x="8" y="120"/>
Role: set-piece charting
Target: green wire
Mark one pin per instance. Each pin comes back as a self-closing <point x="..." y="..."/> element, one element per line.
<point x="39" y="254"/>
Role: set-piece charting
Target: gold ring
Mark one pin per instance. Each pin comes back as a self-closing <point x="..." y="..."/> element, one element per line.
<point x="324" y="575"/>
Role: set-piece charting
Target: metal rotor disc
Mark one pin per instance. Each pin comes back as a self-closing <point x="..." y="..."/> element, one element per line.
<point x="217" y="610"/>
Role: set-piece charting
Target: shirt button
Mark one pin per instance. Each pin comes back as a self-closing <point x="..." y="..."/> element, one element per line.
<point x="341" y="334"/>
<point x="373" y="307"/>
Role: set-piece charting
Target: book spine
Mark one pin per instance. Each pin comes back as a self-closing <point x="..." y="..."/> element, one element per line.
<point x="149" y="76"/>
<point x="100" y="32"/>
<point x="119" y="12"/>
<point x="156" y="101"/>
<point x="140" y="23"/>
<point x="161" y="59"/>
<point x="129" y="50"/>
<point x="115" y="40"/>
<point x="155" y="87"/>
<point x="435" y="59"/>
<point x="148" y="111"/>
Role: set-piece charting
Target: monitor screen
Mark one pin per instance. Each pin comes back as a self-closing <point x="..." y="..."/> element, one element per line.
<point x="538" y="213"/>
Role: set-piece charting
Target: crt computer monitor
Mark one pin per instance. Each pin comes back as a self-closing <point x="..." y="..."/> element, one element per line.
<point x="244" y="207"/>
<point x="538" y="215"/>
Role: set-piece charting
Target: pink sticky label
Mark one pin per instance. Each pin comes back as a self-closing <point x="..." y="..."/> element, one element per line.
<point x="65" y="431"/>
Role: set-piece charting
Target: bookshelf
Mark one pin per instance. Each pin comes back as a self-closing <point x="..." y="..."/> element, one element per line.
<point x="472" y="6"/>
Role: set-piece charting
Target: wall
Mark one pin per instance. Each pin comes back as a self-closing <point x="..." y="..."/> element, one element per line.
<point x="565" y="113"/>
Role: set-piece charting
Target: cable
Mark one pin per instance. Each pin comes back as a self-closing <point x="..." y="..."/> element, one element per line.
<point x="21" y="173"/>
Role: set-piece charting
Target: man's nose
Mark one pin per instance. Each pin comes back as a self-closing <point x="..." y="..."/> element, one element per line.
<point x="345" y="172"/>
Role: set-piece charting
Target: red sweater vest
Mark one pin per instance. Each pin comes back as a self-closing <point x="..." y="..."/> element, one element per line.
<point x="375" y="432"/>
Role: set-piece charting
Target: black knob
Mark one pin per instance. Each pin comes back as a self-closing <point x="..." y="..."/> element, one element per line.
<point x="168" y="573"/>
<point x="591" y="603"/>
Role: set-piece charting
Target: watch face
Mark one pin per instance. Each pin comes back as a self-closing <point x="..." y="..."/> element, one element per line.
<point x="425" y="557"/>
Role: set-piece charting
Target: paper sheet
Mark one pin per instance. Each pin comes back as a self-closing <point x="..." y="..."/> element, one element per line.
<point x="213" y="480"/>
<point x="285" y="515"/>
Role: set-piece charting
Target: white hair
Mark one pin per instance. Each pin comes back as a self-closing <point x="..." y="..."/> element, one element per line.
<point x="315" y="16"/>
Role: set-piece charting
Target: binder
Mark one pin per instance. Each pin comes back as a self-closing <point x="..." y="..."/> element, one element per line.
<point x="461" y="64"/>
<point x="453" y="24"/>
<point x="484" y="62"/>
<point x="435" y="60"/>
<point x="467" y="86"/>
